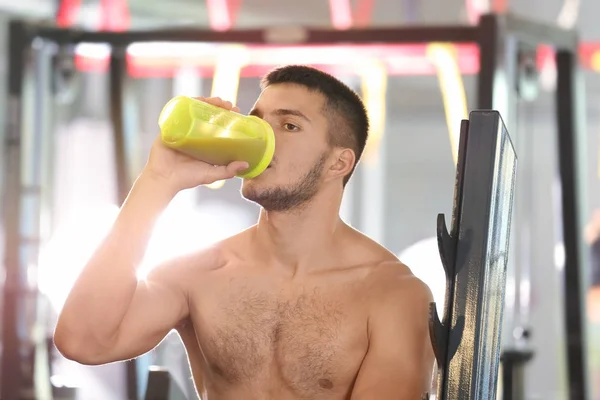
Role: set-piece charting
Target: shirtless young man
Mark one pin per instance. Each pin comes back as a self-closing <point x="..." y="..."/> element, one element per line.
<point x="299" y="306"/>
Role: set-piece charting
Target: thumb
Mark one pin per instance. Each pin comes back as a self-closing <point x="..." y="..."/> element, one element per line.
<point x="237" y="167"/>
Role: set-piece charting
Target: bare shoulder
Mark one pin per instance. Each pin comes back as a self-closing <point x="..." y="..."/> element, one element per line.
<point x="394" y="281"/>
<point x="199" y="262"/>
<point x="364" y="250"/>
<point x="387" y="276"/>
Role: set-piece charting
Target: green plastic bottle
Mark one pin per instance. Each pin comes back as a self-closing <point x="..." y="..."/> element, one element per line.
<point x="217" y="136"/>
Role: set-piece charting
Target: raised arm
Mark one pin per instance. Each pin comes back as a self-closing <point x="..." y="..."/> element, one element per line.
<point x="109" y="315"/>
<point x="399" y="362"/>
<point x="107" y="303"/>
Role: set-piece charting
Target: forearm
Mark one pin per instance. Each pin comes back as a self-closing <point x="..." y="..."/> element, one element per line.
<point x="103" y="292"/>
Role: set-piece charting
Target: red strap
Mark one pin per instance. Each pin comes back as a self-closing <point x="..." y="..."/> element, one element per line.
<point x="363" y="14"/>
<point x="114" y="15"/>
<point x="222" y="14"/>
<point x="344" y="17"/>
<point x="67" y="13"/>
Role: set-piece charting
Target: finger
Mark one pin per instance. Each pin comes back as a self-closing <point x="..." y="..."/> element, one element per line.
<point x="216" y="100"/>
<point x="219" y="102"/>
<point x="201" y="98"/>
<point x="236" y="109"/>
<point x="237" y="166"/>
<point x="217" y="173"/>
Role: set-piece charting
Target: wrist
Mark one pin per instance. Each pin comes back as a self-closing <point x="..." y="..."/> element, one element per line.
<point x="150" y="194"/>
<point x="157" y="183"/>
<point x="146" y="201"/>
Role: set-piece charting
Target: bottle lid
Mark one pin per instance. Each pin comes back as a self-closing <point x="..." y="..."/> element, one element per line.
<point x="267" y="156"/>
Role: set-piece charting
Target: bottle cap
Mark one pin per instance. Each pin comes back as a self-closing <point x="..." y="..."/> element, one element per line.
<point x="268" y="153"/>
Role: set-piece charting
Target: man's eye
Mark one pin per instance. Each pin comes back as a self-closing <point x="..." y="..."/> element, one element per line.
<point x="290" y="127"/>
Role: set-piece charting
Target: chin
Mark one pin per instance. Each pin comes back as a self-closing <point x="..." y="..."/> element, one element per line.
<point x="251" y="188"/>
<point x="278" y="198"/>
<point x="258" y="181"/>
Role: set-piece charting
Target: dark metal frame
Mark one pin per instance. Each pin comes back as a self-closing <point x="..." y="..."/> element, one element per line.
<point x="497" y="52"/>
<point x="474" y="254"/>
<point x="491" y="35"/>
<point x="513" y="374"/>
<point x="570" y="119"/>
<point x="15" y="346"/>
<point x="161" y="385"/>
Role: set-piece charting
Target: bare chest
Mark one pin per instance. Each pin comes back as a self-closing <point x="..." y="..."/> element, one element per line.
<point x="311" y="340"/>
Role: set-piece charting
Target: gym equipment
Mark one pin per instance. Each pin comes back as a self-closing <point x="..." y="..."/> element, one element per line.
<point x="513" y="374"/>
<point x="498" y="39"/>
<point x="475" y="254"/>
<point x="162" y="386"/>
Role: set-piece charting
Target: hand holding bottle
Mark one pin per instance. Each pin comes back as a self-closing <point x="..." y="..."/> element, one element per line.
<point x="181" y="171"/>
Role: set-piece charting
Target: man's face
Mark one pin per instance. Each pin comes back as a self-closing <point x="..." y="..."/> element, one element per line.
<point x="301" y="149"/>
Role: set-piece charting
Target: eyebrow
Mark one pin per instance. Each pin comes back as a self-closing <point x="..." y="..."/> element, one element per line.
<point x="280" y="112"/>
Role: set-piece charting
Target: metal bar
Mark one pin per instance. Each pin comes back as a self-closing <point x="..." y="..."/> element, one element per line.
<point x="498" y="91"/>
<point x="516" y="338"/>
<point x="481" y="259"/>
<point x="451" y="33"/>
<point x="447" y="245"/>
<point x="513" y="373"/>
<point x="534" y="32"/>
<point x="488" y="61"/>
<point x="14" y="349"/>
<point x="162" y="385"/>
<point x="118" y="68"/>
<point x="569" y="109"/>
<point x="42" y="162"/>
<point x="497" y="69"/>
<point x="117" y="71"/>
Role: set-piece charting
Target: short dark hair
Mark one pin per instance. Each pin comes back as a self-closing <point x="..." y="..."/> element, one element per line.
<point x="346" y="113"/>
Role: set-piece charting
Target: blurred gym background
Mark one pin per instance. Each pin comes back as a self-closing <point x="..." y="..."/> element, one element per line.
<point x="416" y="97"/>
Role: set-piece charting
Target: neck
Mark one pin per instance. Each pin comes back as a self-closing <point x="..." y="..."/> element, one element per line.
<point x="301" y="239"/>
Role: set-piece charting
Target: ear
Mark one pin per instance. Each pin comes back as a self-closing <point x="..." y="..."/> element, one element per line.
<point x="343" y="162"/>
